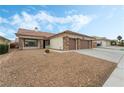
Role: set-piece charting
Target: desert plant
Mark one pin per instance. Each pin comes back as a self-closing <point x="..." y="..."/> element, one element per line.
<point x="47" y="51"/>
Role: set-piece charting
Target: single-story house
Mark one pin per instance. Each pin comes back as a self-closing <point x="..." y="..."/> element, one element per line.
<point x="4" y="40"/>
<point x="103" y="41"/>
<point x="66" y="40"/>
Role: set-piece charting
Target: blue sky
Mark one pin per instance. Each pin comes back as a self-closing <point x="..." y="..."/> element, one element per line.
<point x="104" y="21"/>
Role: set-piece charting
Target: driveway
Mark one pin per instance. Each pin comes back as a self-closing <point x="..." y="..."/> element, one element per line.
<point x="114" y="47"/>
<point x="106" y="54"/>
<point x="113" y="54"/>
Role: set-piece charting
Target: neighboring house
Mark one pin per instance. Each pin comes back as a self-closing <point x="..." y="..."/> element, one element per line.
<point x="66" y="40"/>
<point x="3" y="40"/>
<point x="102" y="41"/>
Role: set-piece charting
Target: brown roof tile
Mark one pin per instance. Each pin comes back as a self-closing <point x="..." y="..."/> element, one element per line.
<point x="71" y="32"/>
<point x="27" y="32"/>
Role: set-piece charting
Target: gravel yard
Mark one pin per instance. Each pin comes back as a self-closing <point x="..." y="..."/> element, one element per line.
<point x="34" y="68"/>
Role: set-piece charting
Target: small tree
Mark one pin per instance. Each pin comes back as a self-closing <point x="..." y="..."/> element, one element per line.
<point x="119" y="38"/>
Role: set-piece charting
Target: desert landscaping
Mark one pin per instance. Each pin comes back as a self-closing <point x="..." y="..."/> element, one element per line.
<point x="34" y="68"/>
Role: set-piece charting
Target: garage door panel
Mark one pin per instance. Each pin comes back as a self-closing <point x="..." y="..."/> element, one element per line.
<point x="72" y="44"/>
<point x="85" y="44"/>
<point x="90" y="44"/>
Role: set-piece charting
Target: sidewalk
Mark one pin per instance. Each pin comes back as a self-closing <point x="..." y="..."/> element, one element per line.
<point x="117" y="77"/>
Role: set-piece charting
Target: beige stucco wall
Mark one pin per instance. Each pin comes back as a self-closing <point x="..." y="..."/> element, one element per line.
<point x="56" y="43"/>
<point x="2" y="41"/>
<point x="104" y="43"/>
<point x="108" y="43"/>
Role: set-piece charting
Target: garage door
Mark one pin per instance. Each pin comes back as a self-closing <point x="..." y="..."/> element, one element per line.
<point x="72" y="44"/>
<point x="85" y="44"/>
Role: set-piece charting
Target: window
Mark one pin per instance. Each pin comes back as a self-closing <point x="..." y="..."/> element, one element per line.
<point x="30" y="43"/>
<point x="47" y="42"/>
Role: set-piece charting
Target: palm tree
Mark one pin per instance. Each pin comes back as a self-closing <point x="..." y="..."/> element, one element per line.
<point x="119" y="38"/>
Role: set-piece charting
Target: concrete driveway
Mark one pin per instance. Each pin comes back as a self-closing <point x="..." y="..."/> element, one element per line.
<point x="106" y="54"/>
<point x="113" y="54"/>
<point x="114" y="47"/>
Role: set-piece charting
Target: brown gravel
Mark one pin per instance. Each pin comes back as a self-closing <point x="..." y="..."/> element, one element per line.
<point x="34" y="68"/>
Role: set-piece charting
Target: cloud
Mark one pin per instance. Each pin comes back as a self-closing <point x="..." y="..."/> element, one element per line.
<point x="76" y="22"/>
<point x="44" y="21"/>
<point x="2" y="34"/>
<point x="73" y="11"/>
<point x="50" y="27"/>
<point x="16" y="19"/>
<point x="26" y="20"/>
<point x="3" y="20"/>
<point x="7" y="32"/>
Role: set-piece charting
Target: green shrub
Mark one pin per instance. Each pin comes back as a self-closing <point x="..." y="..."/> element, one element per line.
<point x="113" y="43"/>
<point x="3" y="48"/>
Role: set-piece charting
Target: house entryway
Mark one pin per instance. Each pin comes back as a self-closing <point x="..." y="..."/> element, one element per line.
<point x="46" y="43"/>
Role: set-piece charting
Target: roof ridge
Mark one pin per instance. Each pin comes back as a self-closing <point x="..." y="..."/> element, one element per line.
<point x="34" y="30"/>
<point x="78" y="33"/>
<point x="22" y="31"/>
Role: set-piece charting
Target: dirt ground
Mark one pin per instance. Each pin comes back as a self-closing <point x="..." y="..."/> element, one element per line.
<point x="33" y="68"/>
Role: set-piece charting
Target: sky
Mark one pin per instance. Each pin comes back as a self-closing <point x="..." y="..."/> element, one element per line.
<point x="95" y="20"/>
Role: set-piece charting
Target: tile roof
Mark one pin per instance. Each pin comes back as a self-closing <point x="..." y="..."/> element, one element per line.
<point x="71" y="32"/>
<point x="27" y="32"/>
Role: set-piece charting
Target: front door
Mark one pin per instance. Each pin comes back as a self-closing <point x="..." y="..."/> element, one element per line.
<point x="46" y="43"/>
<point x="43" y="43"/>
